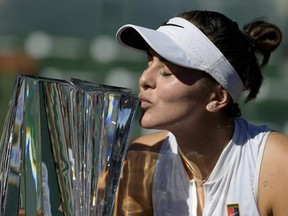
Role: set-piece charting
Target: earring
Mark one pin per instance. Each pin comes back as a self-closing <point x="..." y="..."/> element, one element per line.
<point x="211" y="106"/>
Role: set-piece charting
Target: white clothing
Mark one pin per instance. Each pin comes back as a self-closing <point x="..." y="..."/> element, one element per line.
<point x="232" y="185"/>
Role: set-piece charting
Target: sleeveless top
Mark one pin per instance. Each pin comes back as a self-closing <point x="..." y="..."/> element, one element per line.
<point x="232" y="187"/>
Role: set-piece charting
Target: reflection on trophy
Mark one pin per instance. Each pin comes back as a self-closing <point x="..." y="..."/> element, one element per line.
<point x="63" y="147"/>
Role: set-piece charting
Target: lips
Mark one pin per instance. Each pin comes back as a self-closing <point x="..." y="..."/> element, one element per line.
<point x="145" y="102"/>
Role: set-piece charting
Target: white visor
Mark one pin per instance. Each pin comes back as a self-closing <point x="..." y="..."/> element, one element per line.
<point x="183" y="44"/>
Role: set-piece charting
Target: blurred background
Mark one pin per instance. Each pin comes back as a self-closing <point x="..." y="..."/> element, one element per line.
<point x="76" y="39"/>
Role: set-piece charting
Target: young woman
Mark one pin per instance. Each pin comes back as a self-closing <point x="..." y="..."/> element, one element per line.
<point x="206" y="159"/>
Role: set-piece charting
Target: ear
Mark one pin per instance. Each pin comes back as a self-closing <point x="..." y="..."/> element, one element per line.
<point x="218" y="100"/>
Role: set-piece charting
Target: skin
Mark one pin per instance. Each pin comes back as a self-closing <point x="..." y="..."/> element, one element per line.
<point x="177" y="99"/>
<point x="273" y="187"/>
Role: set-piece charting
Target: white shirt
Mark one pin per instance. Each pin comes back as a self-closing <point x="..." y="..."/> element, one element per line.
<point x="232" y="186"/>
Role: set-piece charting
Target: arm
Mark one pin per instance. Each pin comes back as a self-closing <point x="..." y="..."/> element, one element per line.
<point x="273" y="182"/>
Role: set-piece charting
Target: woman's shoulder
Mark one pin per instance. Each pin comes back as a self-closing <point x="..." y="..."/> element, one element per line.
<point x="278" y="138"/>
<point x="273" y="187"/>
<point x="277" y="148"/>
<point x="149" y="142"/>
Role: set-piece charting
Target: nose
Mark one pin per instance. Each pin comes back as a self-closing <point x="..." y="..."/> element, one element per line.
<point x="147" y="80"/>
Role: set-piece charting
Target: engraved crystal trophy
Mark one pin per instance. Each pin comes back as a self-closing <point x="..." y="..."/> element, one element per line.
<point x="63" y="146"/>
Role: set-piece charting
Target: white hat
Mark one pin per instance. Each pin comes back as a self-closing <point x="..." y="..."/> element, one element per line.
<point x="183" y="44"/>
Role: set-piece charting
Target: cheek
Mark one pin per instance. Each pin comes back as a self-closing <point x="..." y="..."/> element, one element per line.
<point x="183" y="100"/>
<point x="169" y="111"/>
<point x="176" y="96"/>
<point x="175" y="104"/>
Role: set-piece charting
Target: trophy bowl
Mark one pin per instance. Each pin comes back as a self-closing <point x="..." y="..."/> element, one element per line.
<point x="63" y="146"/>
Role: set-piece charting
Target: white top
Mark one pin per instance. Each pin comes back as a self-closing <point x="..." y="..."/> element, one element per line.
<point x="232" y="186"/>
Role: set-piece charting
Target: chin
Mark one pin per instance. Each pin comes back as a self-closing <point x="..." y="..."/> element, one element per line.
<point x="149" y="124"/>
<point x="146" y="124"/>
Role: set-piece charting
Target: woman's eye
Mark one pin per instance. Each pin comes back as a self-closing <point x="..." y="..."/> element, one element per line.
<point x="164" y="73"/>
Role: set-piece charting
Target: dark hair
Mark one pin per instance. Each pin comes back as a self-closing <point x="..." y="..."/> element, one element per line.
<point x="247" y="51"/>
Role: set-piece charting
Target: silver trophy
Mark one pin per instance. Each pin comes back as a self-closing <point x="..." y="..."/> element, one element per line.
<point x="63" y="147"/>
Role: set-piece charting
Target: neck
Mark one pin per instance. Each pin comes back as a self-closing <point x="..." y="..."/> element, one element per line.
<point x="201" y="147"/>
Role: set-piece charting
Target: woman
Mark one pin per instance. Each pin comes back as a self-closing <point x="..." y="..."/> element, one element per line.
<point x="206" y="159"/>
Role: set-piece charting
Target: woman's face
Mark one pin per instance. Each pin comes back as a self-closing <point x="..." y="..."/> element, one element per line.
<point x="172" y="97"/>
